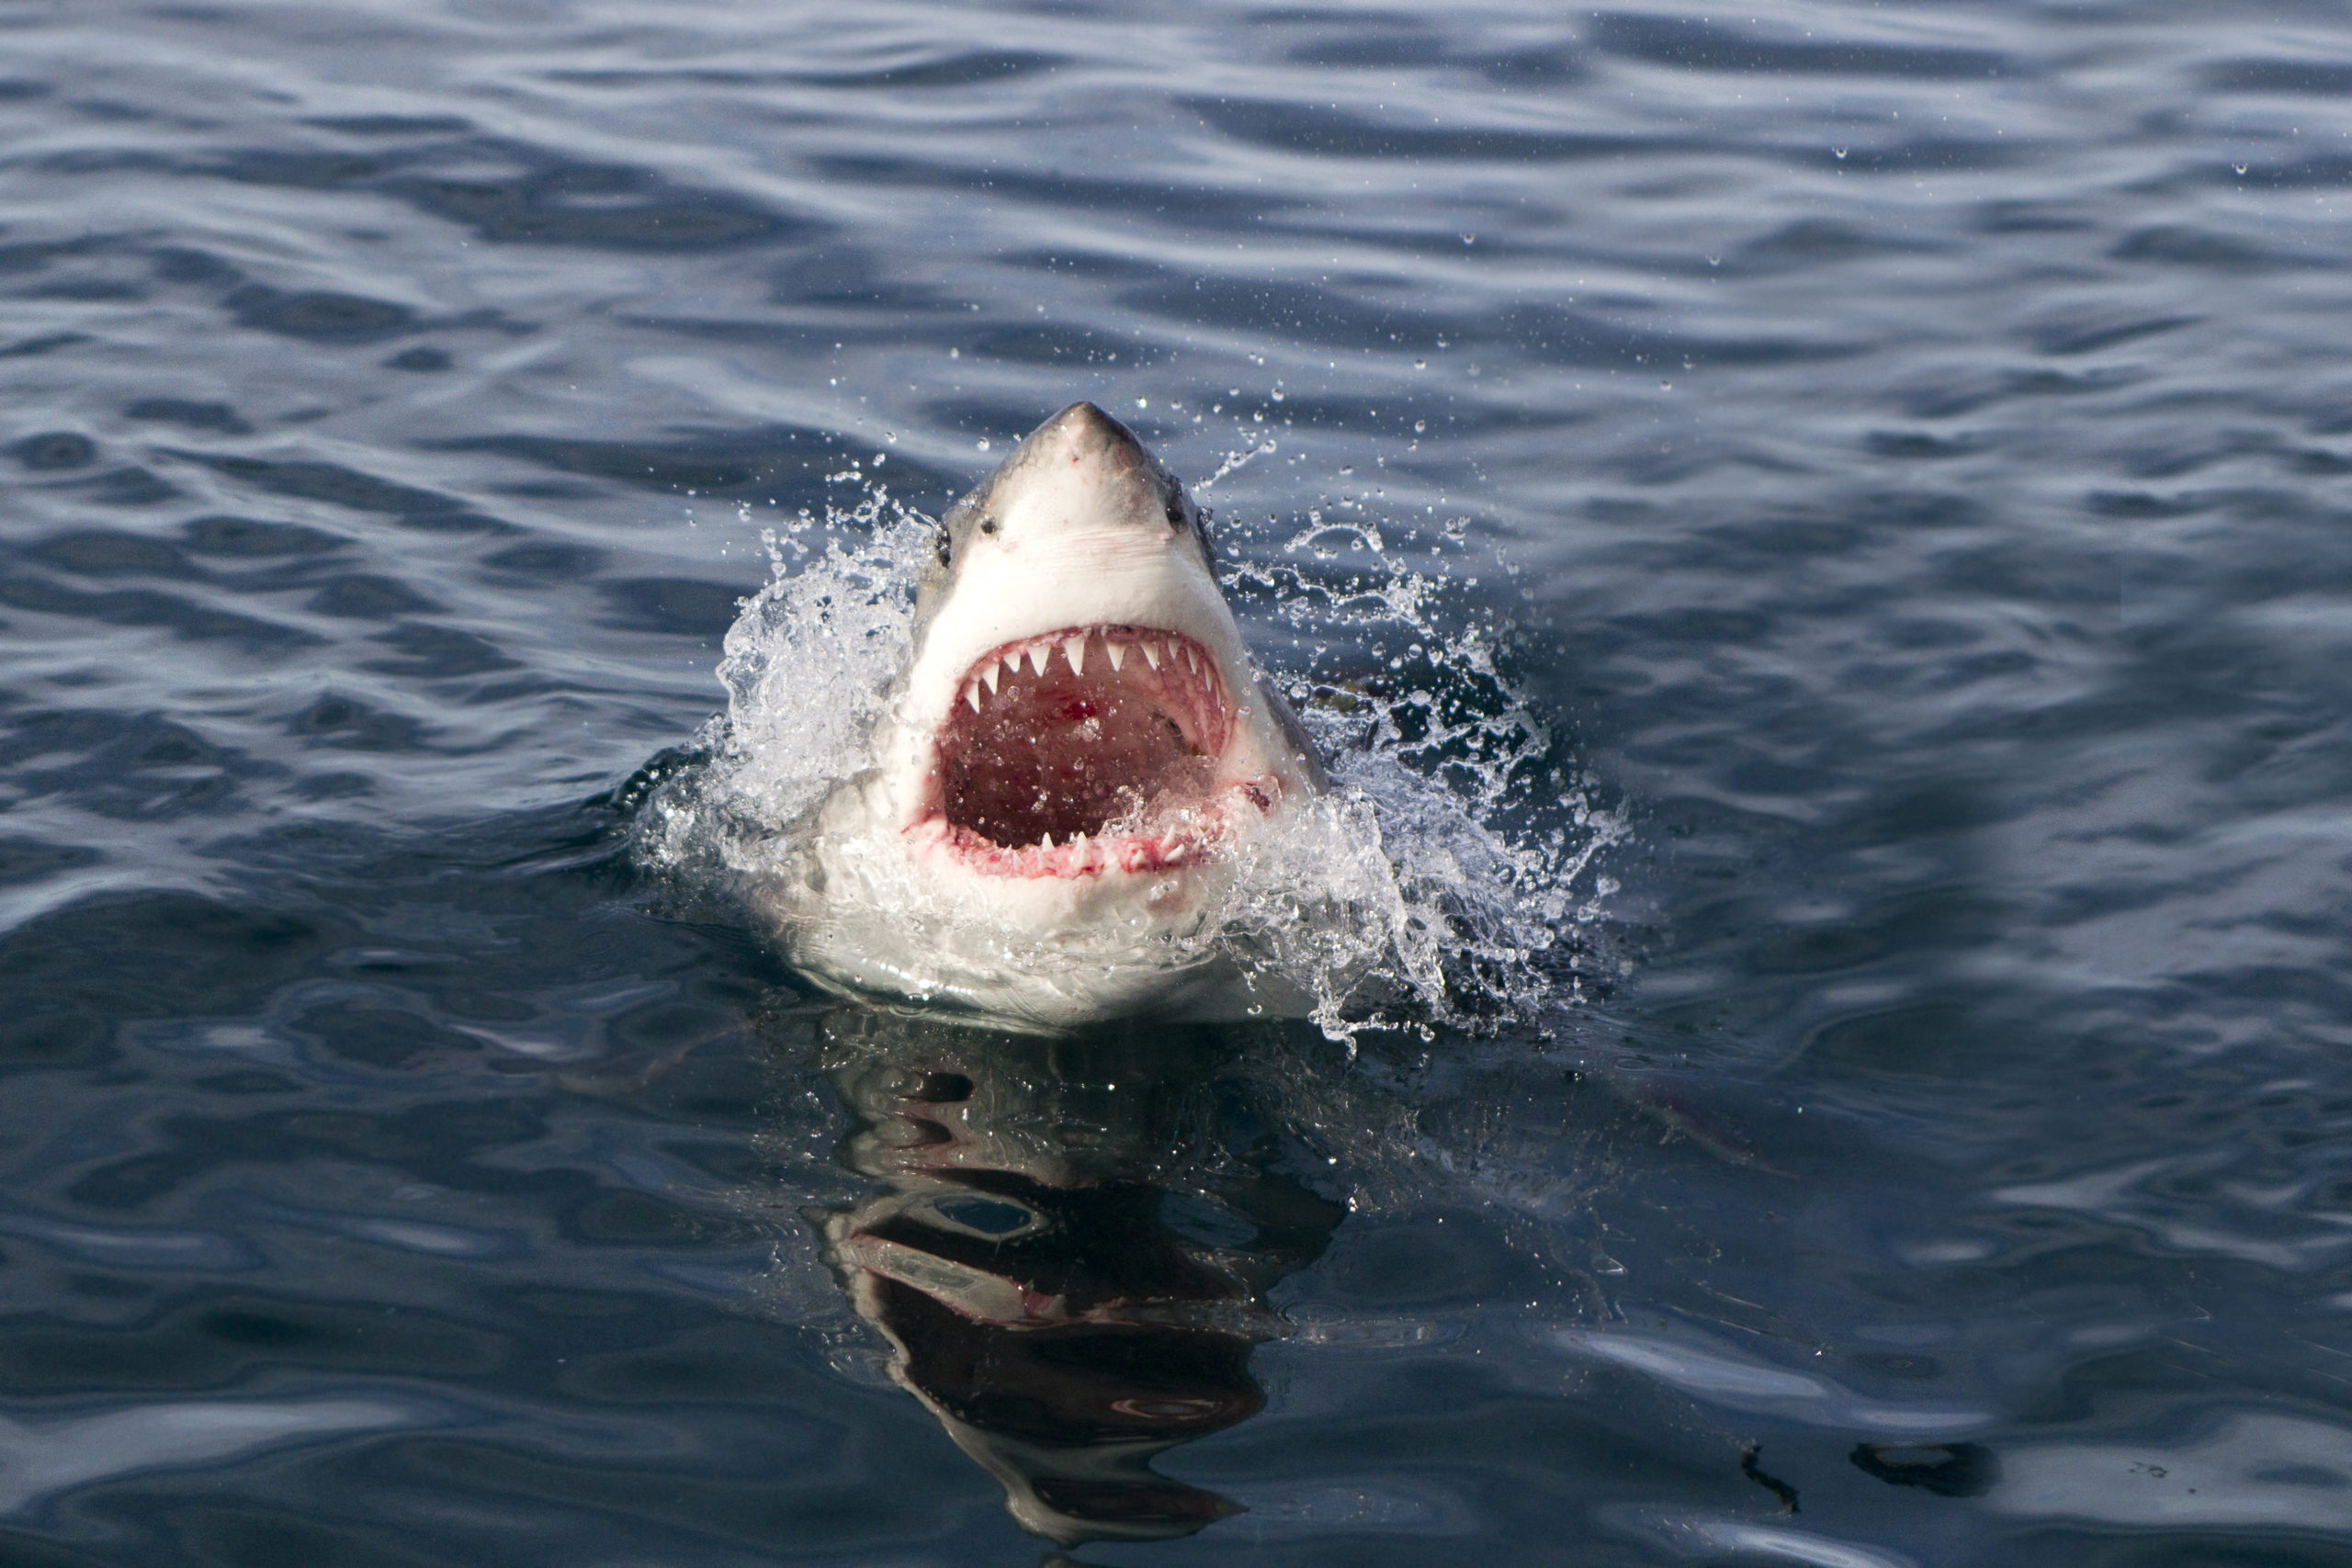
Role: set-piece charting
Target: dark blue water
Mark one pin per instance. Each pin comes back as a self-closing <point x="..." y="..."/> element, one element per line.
<point x="1918" y="439"/>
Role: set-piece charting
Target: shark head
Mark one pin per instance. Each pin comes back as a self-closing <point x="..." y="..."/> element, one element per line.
<point x="1080" y="705"/>
<point x="1074" y="756"/>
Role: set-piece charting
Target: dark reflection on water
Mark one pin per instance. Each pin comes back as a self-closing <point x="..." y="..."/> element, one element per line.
<point x="1070" y="1259"/>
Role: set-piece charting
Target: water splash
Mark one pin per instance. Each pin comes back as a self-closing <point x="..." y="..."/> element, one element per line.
<point x="1237" y="461"/>
<point x="1489" y="828"/>
<point x="1444" y="880"/>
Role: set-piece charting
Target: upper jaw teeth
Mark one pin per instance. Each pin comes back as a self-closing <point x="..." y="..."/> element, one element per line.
<point x="1174" y="654"/>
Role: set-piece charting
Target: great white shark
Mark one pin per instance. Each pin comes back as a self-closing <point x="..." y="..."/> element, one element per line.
<point x="1077" y="759"/>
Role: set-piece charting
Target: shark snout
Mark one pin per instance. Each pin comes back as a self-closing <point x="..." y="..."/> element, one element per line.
<point x="1083" y="432"/>
<point x="1083" y="468"/>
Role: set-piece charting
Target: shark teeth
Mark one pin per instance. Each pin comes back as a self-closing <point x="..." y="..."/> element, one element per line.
<point x="1034" y="656"/>
<point x="1020" y="694"/>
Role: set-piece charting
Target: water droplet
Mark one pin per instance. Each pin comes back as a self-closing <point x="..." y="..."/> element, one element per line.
<point x="983" y="444"/>
<point x="1841" y="153"/>
<point x="1420" y="426"/>
<point x="1714" y="261"/>
<point x="1420" y="363"/>
<point x="2239" y="167"/>
<point x="1143" y="402"/>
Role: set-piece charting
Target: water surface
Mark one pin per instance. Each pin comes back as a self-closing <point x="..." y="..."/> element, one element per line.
<point x="1899" y="453"/>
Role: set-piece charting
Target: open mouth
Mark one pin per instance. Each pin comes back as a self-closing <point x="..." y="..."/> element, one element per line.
<point x="1085" y="749"/>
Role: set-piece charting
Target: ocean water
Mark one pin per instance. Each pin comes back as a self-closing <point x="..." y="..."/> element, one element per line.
<point x="1860" y="490"/>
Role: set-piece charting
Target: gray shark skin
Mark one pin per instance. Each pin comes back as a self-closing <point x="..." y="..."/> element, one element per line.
<point x="1077" y="757"/>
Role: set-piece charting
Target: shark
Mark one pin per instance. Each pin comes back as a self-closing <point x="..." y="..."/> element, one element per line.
<point x="1075" y="761"/>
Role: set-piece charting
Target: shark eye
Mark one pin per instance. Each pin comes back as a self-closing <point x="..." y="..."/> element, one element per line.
<point x="1175" y="514"/>
<point x="944" y="544"/>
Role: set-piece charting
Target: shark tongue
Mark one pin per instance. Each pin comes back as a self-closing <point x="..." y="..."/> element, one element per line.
<point x="1079" y="741"/>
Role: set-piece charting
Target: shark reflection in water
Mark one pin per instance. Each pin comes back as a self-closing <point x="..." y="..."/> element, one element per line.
<point x="1070" y="1258"/>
